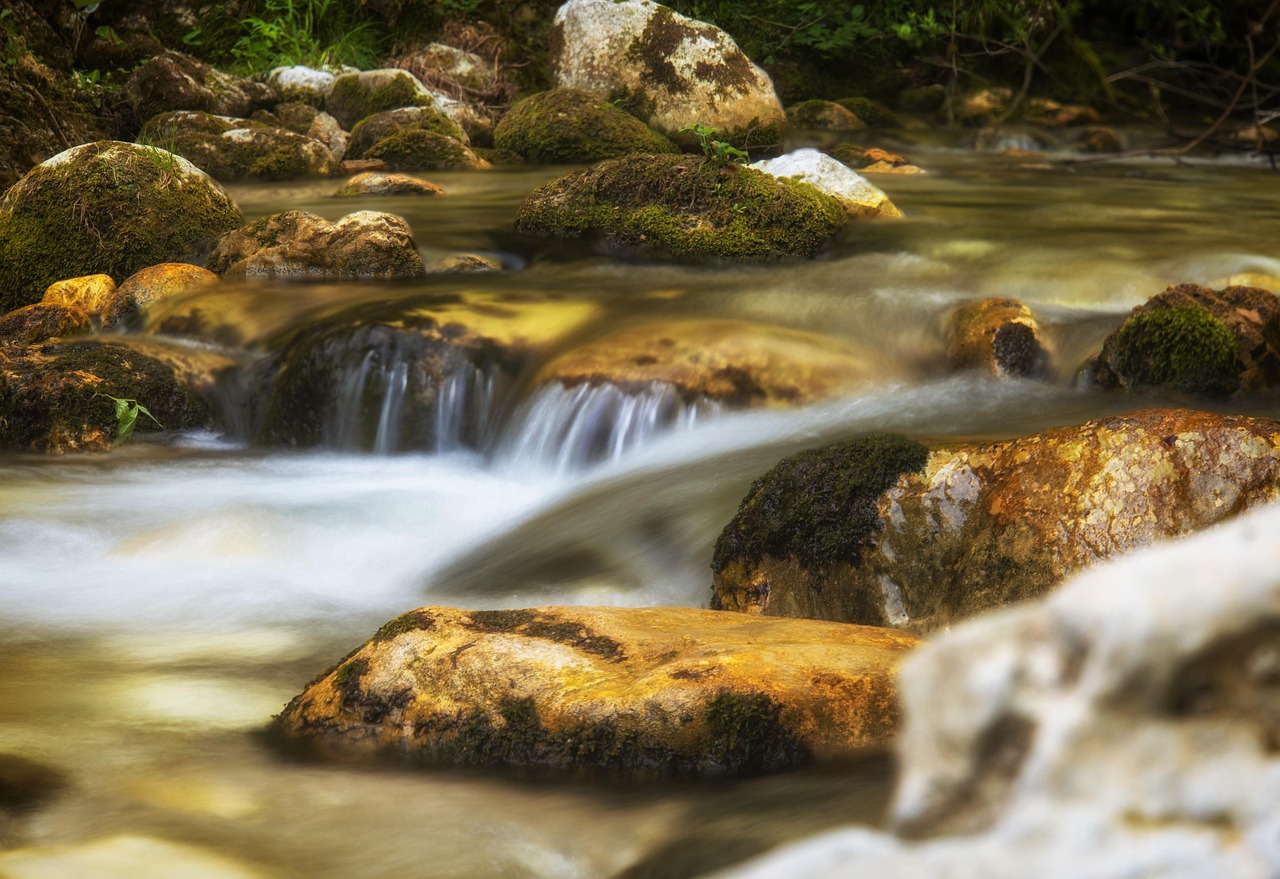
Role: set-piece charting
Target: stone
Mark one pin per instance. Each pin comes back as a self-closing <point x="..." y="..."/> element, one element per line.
<point x="174" y="81"/>
<point x="1192" y="339"/>
<point x="825" y="115"/>
<point x="686" y="207"/>
<point x="1000" y="336"/>
<point x="831" y="176"/>
<point x="638" y="691"/>
<point x="354" y="96"/>
<point x="378" y="127"/>
<point x="234" y="149"/>
<point x="297" y="244"/>
<point x="465" y="262"/>
<point x="109" y="208"/>
<point x="870" y="112"/>
<point x="42" y="321"/>
<point x="669" y="70"/>
<point x="326" y="129"/>
<point x="90" y="293"/>
<point x="373" y="183"/>
<point x="1051" y="114"/>
<point x="146" y="286"/>
<point x="299" y="83"/>
<point x="1097" y="139"/>
<point x="921" y="539"/>
<point x="466" y="69"/>
<point x="419" y="150"/>
<point x="872" y="160"/>
<point x="569" y="126"/>
<point x="294" y="117"/>
<point x="469" y="87"/>
<point x="1015" y="140"/>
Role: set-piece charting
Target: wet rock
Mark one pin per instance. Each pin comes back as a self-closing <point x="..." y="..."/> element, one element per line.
<point x="1051" y="114"/>
<point x="685" y="206"/>
<point x="1125" y="726"/>
<point x="123" y="857"/>
<point x="305" y="85"/>
<point x="648" y="691"/>
<point x="468" y="87"/>
<point x="135" y="206"/>
<point x="826" y="115"/>
<point x="465" y="262"/>
<point x="42" y="321"/>
<point x="297" y="244"/>
<point x="149" y="285"/>
<point x="373" y="183"/>
<point x="880" y="531"/>
<point x="859" y="197"/>
<point x="568" y="125"/>
<point x="25" y="784"/>
<point x="1195" y="340"/>
<point x="669" y="70"/>
<point x="872" y="160"/>
<point x="52" y="395"/>
<point x="91" y="293"/>
<point x="1012" y="139"/>
<point x="231" y="149"/>
<point x="173" y="81"/>
<point x="355" y="96"/>
<point x="871" y="112"/>
<point x="1000" y="336"/>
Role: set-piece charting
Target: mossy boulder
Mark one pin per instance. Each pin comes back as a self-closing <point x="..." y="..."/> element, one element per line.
<point x="52" y="394"/>
<point x="859" y="197"/>
<point x="355" y="96"/>
<point x="174" y="81"/>
<point x="41" y="322"/>
<point x="373" y="183"/>
<point x="871" y="112"/>
<point x="687" y="207"/>
<point x="1194" y="340"/>
<point x="372" y="129"/>
<point x="567" y="125"/>
<point x="146" y="286"/>
<point x="418" y="150"/>
<point x="826" y="115"/>
<point x="645" y="692"/>
<point x="298" y="244"/>
<point x="232" y="149"/>
<point x="106" y="207"/>
<point x="302" y="84"/>
<point x="881" y="531"/>
<point x="293" y="116"/>
<point x="670" y="71"/>
<point x="999" y="336"/>
<point x="90" y="293"/>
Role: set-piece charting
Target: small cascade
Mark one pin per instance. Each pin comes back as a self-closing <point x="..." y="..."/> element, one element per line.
<point x="566" y="428"/>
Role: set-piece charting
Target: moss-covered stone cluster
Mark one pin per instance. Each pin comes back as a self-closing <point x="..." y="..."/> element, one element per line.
<point x="416" y="149"/>
<point x="1183" y="348"/>
<point x="687" y="207"/>
<point x="238" y="149"/>
<point x="376" y="128"/>
<point x="568" y="125"/>
<point x="355" y="96"/>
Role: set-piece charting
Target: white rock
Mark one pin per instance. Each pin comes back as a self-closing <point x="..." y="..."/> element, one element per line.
<point x="859" y="197"/>
<point x="298" y="83"/>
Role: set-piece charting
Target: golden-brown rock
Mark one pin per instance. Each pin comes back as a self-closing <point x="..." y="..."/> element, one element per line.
<point x="1001" y="336"/>
<point x="39" y="322"/>
<point x="90" y="293"/>
<point x="632" y="690"/>
<point x="147" y="286"/>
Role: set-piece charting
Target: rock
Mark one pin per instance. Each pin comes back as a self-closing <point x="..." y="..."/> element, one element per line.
<point x="1051" y="114"/>
<point x="872" y="160"/>
<point x="418" y="150"/>
<point x="1195" y="340"/>
<point x="173" y="81"/>
<point x="360" y="166"/>
<point x="355" y="96"/>
<point x="122" y="857"/>
<point x="826" y="115"/>
<point x="380" y="126"/>
<point x="40" y="322"/>
<point x="833" y="177"/>
<point x="91" y="293"/>
<point x="239" y="149"/>
<point x="1256" y="135"/>
<point x="294" y="117"/>
<point x="464" y="262"/>
<point x="982" y="105"/>
<point x="881" y="531"/>
<point x="1011" y="139"/>
<point x="1096" y="139"/>
<point x="451" y="65"/>
<point x="305" y="85"/>
<point x="297" y="244"/>
<point x="671" y="71"/>
<point x="150" y="285"/>
<point x="1000" y="336"/>
<point x="871" y="112"/>
<point x="1124" y="726"/>
<point x="499" y="157"/>
<point x="469" y="87"/>
<point x="326" y="129"/>
<point x="567" y="125"/>
<point x="52" y="395"/>
<point x="136" y="206"/>
<point x="686" y="206"/>
<point x="647" y="691"/>
<point x="25" y="784"/>
<point x="372" y="183"/>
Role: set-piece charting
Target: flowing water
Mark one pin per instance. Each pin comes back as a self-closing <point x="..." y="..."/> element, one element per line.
<point x="159" y="604"/>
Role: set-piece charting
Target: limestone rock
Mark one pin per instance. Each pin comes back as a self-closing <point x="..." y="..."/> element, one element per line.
<point x="859" y="197"/>
<point x="378" y="127"/>
<point x="1000" y="336"/>
<point x="42" y="321"/>
<point x="673" y="71"/>
<point x="150" y="285"/>
<point x="138" y="206"/>
<point x="567" y="125"/>
<point x="299" y="83"/>
<point x="173" y="81"/>
<point x="365" y="244"/>
<point x="91" y="293"/>
<point x="635" y="690"/>
<point x="231" y="149"/>
<point x="825" y="115"/>
<point x="373" y="183"/>
<point x="923" y="540"/>
<point x="354" y="96"/>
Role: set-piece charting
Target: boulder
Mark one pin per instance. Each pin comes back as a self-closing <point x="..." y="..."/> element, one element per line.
<point x="373" y="183"/>
<point x="825" y="115"/>
<point x="642" y="691"/>
<point x="231" y="149"/>
<point x="687" y="207"/>
<point x="91" y="293"/>
<point x="378" y="127"/>
<point x="1000" y="336"/>
<point x="1124" y="726"/>
<point x="355" y="96"/>
<point x="294" y="117"/>
<point x="419" y="150"/>
<point x="671" y="71"/>
<point x="305" y="85"/>
<point x="1195" y="340"/>
<point x="567" y="125"/>
<point x="297" y="244"/>
<point x="106" y="207"/>
<point x="882" y="531"/>
<point x="146" y="286"/>
<point x="327" y="131"/>
<point x="42" y="321"/>
<point x="173" y="81"/>
<point x="444" y="65"/>
<point x="471" y="88"/>
<point x="859" y="197"/>
<point x="465" y="262"/>
<point x="870" y="112"/>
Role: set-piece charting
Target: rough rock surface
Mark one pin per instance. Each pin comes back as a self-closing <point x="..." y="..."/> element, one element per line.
<point x="90" y="293"/>
<point x="372" y="183"/>
<point x="299" y="83"/>
<point x="671" y="71"/>
<point x="567" y="125"/>
<point x="922" y="540"/>
<point x="380" y="126"/>
<point x="173" y="81"/>
<point x="635" y="690"/>
<point x="41" y="322"/>
<point x="365" y="244"/>
<point x="1001" y="336"/>
<point x="149" y="285"/>
<point x="1125" y="726"/>
<point x="354" y="96"/>
<point x="826" y="115"/>
<point x="859" y="197"/>
<point x="231" y="149"/>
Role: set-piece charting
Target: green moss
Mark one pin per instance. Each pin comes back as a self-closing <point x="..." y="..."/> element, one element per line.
<point x="807" y="114"/>
<point x="873" y="113"/>
<point x="413" y="621"/>
<point x="271" y="153"/>
<point x="372" y="129"/>
<point x="347" y="681"/>
<point x="418" y="150"/>
<point x="534" y="625"/>
<point x="351" y="100"/>
<point x="820" y="505"/>
<point x="686" y="206"/>
<point x="748" y="735"/>
<point x="567" y="125"/>
<point x="1183" y="348"/>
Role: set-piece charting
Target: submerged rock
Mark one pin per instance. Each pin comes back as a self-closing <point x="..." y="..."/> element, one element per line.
<point x="105" y="207"/>
<point x="686" y="206"/>
<point x="173" y="81"/>
<point x="871" y="112"/>
<point x="42" y="321"/>
<point x="831" y="176"/>
<point x="1000" y="336"/>
<point x="355" y="96"/>
<point x="649" y="691"/>
<point x="372" y="183"/>
<point x="1196" y="340"/>
<point x="669" y="70"/>
<point x="239" y="149"/>
<point x="146" y="286"/>
<point x="90" y="293"/>
<point x="881" y="531"/>
<point x="568" y="125"/>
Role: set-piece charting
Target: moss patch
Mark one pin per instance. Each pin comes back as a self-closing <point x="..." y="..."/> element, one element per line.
<point x="1183" y="348"/>
<point x="535" y="625"/>
<point x="818" y="506"/>
<point x="421" y="150"/>
<point x="413" y="621"/>
<point x="748" y="735"/>
<point x="372" y="129"/>
<point x="351" y="98"/>
<point x="567" y="125"/>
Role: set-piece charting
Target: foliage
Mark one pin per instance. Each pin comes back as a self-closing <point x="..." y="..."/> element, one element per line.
<point x="127" y="412"/>
<point x="12" y="46"/>
<point x="720" y="152"/>
<point x="315" y="33"/>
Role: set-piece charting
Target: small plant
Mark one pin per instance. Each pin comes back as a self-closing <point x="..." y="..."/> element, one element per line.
<point x="127" y="412"/>
<point x="720" y="152"/>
